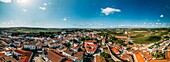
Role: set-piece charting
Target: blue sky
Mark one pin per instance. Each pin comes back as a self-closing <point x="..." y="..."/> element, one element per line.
<point x="85" y="13"/>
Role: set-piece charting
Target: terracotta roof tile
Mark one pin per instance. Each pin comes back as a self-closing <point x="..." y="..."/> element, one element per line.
<point x="121" y="37"/>
<point x="139" y="57"/>
<point x="100" y="59"/>
<point x="52" y="55"/>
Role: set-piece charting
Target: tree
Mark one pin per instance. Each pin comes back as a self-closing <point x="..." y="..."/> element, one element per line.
<point x="130" y="43"/>
<point x="129" y="48"/>
<point x="82" y="38"/>
<point x="154" y="38"/>
<point x="106" y="55"/>
<point x="114" y="38"/>
<point x="74" y="40"/>
<point x="158" y="54"/>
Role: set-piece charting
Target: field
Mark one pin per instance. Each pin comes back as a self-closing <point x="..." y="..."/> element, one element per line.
<point x="146" y="37"/>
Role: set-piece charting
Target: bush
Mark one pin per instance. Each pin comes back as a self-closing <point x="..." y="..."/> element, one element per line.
<point x="147" y="40"/>
<point x="129" y="48"/>
<point x="130" y="43"/>
<point x="106" y="55"/>
<point x="159" y="54"/>
<point x="154" y="38"/>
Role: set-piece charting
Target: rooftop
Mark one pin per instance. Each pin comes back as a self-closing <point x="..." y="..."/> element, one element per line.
<point x="100" y="59"/>
<point x="139" y="57"/>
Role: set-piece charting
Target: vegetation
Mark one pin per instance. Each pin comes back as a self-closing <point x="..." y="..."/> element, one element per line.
<point x="110" y="60"/>
<point x="166" y="37"/>
<point x="130" y="43"/>
<point x="85" y="38"/>
<point x="129" y="48"/>
<point x="159" y="54"/>
<point x="153" y="38"/>
<point x="114" y="38"/>
<point x="163" y="33"/>
<point x="121" y="42"/>
<point x="138" y="36"/>
<point x="106" y="55"/>
<point x="147" y="40"/>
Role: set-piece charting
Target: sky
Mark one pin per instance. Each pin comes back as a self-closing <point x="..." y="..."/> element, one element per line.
<point x="85" y="13"/>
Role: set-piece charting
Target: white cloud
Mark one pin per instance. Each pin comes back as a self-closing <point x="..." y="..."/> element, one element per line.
<point x="65" y="18"/>
<point x="11" y="22"/>
<point x="5" y="1"/>
<point x="161" y="16"/>
<point x="45" y="4"/>
<point x="15" y="23"/>
<point x="42" y="8"/>
<point x="25" y="2"/>
<point x="24" y="10"/>
<point x="158" y="20"/>
<point x="109" y="10"/>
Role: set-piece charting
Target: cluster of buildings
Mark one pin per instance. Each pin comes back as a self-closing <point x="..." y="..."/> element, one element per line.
<point x="78" y="46"/>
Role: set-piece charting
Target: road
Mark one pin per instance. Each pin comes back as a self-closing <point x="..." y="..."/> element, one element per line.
<point x="112" y="56"/>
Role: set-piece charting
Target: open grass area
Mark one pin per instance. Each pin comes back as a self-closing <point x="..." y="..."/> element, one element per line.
<point x="146" y="39"/>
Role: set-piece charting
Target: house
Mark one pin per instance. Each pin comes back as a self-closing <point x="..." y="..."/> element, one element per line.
<point x="8" y="59"/>
<point x="29" y="47"/>
<point x="54" y="56"/>
<point x="56" y="40"/>
<point x="138" y="57"/>
<point x="115" y="50"/>
<point x="147" y="55"/>
<point x="53" y="45"/>
<point x="122" y="37"/>
<point x="68" y="53"/>
<point x="76" y="47"/>
<point x="159" y="60"/>
<point x="90" y="46"/>
<point x="78" y="56"/>
<point x="126" y="57"/>
<point x="99" y="59"/>
<point x="24" y="56"/>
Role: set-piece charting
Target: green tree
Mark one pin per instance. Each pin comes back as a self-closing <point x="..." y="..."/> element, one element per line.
<point x="130" y="43"/>
<point x="114" y="38"/>
<point x="154" y="38"/>
<point x="159" y="54"/>
<point x="106" y="55"/>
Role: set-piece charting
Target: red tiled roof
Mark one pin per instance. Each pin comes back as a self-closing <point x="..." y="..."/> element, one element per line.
<point x="121" y="37"/>
<point x="139" y="57"/>
<point x="163" y="60"/>
<point x="115" y="50"/>
<point x="52" y="56"/>
<point x="68" y="52"/>
<point x="126" y="57"/>
<point x="26" y="55"/>
<point x="2" y="54"/>
<point x="147" y="55"/>
<point x="132" y="35"/>
<point x="100" y="59"/>
<point x="78" y="55"/>
<point x="91" y="47"/>
<point x="55" y="38"/>
<point x="92" y="41"/>
<point x="56" y="57"/>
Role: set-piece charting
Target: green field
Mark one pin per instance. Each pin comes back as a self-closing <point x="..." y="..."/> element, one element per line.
<point x="146" y="39"/>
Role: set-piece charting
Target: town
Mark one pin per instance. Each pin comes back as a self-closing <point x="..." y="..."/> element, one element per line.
<point x="84" y="45"/>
